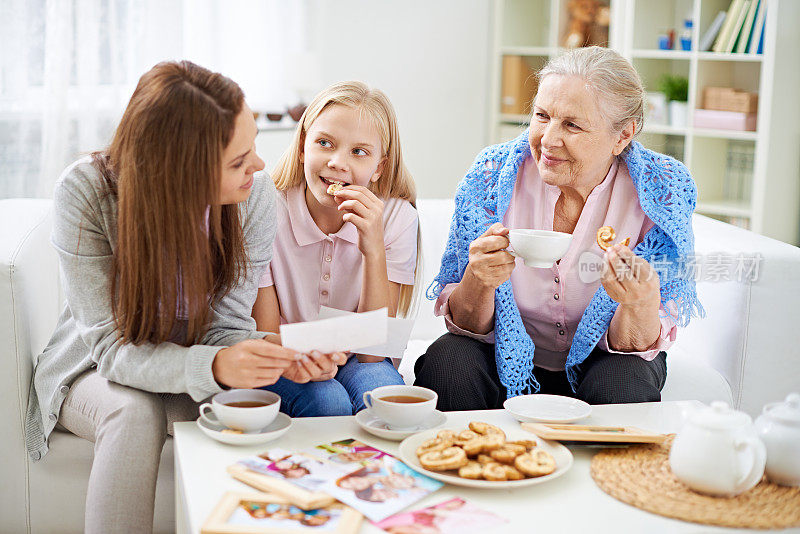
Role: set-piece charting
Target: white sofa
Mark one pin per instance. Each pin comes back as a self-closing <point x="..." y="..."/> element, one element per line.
<point x="742" y="352"/>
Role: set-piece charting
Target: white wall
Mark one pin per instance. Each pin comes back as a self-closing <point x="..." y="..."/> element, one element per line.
<point x="432" y="59"/>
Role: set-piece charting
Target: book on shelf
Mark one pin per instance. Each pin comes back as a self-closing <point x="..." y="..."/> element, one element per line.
<point x="737" y="27"/>
<point x="757" y="34"/>
<point x="761" y="44"/>
<point x="747" y="27"/>
<point x="711" y="33"/>
<point x="727" y="27"/>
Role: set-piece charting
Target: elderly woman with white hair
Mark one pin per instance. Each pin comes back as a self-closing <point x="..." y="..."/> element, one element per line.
<point x="516" y="329"/>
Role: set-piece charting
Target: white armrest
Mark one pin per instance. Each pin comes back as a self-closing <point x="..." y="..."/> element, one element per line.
<point x="751" y="329"/>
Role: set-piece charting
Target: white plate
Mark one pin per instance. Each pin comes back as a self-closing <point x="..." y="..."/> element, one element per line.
<point x="275" y="430"/>
<point x="542" y="408"/>
<point x="562" y="456"/>
<point x="378" y="427"/>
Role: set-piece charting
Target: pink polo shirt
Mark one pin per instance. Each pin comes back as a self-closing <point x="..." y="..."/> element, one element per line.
<point x="310" y="269"/>
<point x="552" y="301"/>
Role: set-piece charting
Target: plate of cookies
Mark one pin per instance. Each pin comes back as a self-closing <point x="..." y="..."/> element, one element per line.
<point x="485" y="456"/>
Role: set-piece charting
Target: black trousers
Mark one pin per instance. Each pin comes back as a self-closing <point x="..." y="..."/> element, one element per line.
<point x="462" y="371"/>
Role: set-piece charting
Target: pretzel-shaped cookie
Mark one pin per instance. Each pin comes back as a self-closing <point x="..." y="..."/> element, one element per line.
<point x="485" y="429"/>
<point x="506" y="453"/>
<point x="334" y="187"/>
<point x="447" y="434"/>
<point x="512" y="473"/>
<point x="464" y="437"/>
<point x="605" y="235"/>
<point x="472" y="470"/>
<point x="494" y="471"/>
<point x="433" y="445"/>
<point x="449" y="458"/>
<point x="535" y="463"/>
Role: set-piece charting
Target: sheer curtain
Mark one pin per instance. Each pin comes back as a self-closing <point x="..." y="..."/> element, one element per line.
<point x="68" y="68"/>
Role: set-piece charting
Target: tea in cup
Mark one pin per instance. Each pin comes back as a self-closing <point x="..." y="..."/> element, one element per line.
<point x="401" y="407"/>
<point x="538" y="248"/>
<point x="248" y="410"/>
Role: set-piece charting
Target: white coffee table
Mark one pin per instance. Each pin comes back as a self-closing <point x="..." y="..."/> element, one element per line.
<point x="571" y="503"/>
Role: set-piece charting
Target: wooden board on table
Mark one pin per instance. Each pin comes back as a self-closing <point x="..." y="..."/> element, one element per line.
<point x="610" y="434"/>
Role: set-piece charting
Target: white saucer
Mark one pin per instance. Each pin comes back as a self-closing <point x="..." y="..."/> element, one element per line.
<point x="542" y="408"/>
<point x="275" y="430"/>
<point x="378" y="427"/>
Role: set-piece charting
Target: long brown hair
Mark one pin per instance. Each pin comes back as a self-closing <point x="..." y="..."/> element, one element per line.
<point x="177" y="250"/>
<point x="395" y="180"/>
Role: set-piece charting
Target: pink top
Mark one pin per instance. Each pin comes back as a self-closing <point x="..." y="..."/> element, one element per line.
<point x="310" y="269"/>
<point x="552" y="301"/>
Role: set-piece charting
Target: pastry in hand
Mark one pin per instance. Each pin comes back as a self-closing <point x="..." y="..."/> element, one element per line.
<point x="334" y="187"/>
<point x="605" y="235"/>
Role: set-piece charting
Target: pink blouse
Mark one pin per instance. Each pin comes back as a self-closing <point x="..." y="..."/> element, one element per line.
<point x="310" y="269"/>
<point x="552" y="301"/>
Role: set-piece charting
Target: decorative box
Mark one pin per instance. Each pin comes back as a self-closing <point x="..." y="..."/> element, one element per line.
<point x="724" y="120"/>
<point x="728" y="99"/>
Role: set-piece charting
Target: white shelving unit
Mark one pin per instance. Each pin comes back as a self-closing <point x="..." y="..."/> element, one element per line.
<point x="769" y="201"/>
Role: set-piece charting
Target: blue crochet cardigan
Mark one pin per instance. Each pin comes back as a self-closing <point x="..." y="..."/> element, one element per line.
<point x="667" y="195"/>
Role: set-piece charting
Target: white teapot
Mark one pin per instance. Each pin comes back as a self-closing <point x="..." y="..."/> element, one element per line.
<point x="779" y="428"/>
<point x="717" y="452"/>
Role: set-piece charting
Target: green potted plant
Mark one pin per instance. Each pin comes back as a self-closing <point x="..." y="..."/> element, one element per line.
<point x="676" y="89"/>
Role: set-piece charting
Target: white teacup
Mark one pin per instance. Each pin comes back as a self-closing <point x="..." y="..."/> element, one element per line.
<point x="248" y="410"/>
<point x="401" y="407"/>
<point x="538" y="248"/>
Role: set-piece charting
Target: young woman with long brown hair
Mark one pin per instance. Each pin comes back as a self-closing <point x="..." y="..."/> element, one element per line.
<point x="162" y="239"/>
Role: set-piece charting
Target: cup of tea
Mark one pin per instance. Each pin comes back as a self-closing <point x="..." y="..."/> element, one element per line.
<point x="538" y="248"/>
<point x="248" y="410"/>
<point x="401" y="407"/>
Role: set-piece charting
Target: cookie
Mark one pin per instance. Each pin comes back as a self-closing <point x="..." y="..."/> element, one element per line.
<point x="485" y="428"/>
<point x="449" y="458"/>
<point x="472" y="470"/>
<point x="536" y="463"/>
<point x="507" y="453"/>
<point x="605" y="235"/>
<point x="447" y="435"/>
<point x="334" y="187"/>
<point x="433" y="445"/>
<point x="512" y="473"/>
<point x="494" y="471"/>
<point x="465" y="436"/>
<point x="484" y="459"/>
<point x="527" y="443"/>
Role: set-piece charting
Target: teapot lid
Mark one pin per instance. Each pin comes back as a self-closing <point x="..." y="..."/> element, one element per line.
<point x="720" y="415"/>
<point x="788" y="411"/>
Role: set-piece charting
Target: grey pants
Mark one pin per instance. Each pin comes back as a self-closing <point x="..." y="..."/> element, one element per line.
<point x="128" y="427"/>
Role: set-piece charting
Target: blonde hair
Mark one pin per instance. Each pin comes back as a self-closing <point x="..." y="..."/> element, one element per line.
<point x="613" y="79"/>
<point x="394" y="182"/>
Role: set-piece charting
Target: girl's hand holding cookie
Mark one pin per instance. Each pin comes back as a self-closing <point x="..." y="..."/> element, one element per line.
<point x="365" y="210"/>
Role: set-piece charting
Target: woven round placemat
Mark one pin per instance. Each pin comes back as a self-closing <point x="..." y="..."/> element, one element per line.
<point x="640" y="476"/>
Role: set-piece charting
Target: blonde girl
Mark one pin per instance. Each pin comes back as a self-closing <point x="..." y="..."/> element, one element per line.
<point x="348" y="238"/>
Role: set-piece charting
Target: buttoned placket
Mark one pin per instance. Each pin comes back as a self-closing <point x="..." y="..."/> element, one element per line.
<point x="557" y="292"/>
<point x="325" y="272"/>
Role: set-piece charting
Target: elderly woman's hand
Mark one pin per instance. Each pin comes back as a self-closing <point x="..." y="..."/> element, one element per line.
<point x="630" y="279"/>
<point x="489" y="263"/>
